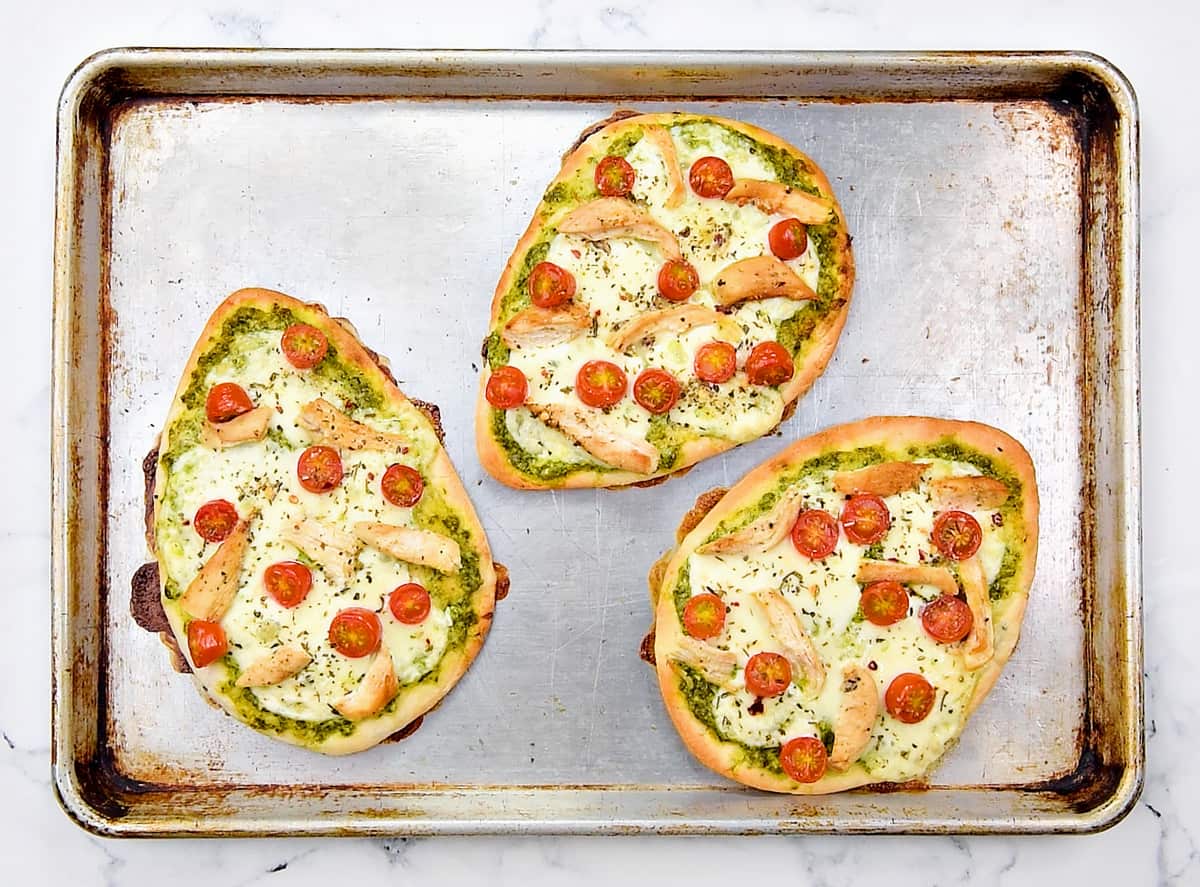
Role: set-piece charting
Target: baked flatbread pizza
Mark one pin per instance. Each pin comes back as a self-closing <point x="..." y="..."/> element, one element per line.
<point x="833" y="619"/>
<point x="684" y="279"/>
<point x="321" y="568"/>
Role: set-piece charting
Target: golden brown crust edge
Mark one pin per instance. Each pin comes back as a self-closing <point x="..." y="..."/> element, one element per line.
<point x="895" y="432"/>
<point x="822" y="344"/>
<point x="454" y="664"/>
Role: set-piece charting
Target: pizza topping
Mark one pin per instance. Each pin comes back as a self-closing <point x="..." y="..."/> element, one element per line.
<point x="981" y="641"/>
<point x="662" y="141"/>
<point x="947" y="619"/>
<point x="378" y="687"/>
<point x="909" y="698"/>
<point x="715" y="362"/>
<point x="592" y="433"/>
<point x="330" y="426"/>
<point x="614" y="177"/>
<point x="550" y="286"/>
<point x="206" y="642"/>
<point x="715" y="664"/>
<point x="866" y="519"/>
<point x="704" y="616"/>
<point x="788" y="239"/>
<point x="331" y="548"/>
<point x="226" y="401"/>
<point x="304" y="346"/>
<point x="797" y="646"/>
<point x="768" y="674"/>
<point x="711" y="177"/>
<point x="956" y="534"/>
<point x="410" y="603"/>
<point x="250" y="426"/>
<point x="673" y="321"/>
<point x="656" y="390"/>
<point x="402" y="486"/>
<point x="909" y="574"/>
<point x="288" y="582"/>
<point x="415" y="546"/>
<point x="319" y="469"/>
<point x="969" y="493"/>
<point x="884" y="602"/>
<point x="215" y="520"/>
<point x="761" y="277"/>
<point x="542" y="327"/>
<point x="769" y="364"/>
<point x="210" y="594"/>
<point x="815" y="534"/>
<point x="677" y="280"/>
<point x="600" y="383"/>
<point x="772" y="197"/>
<point x="613" y="217"/>
<point x="506" y="388"/>
<point x="884" y="479"/>
<point x="278" y="665"/>
<point x="856" y="717"/>
<point x="804" y="759"/>
<point x="355" y="632"/>
<point x="763" y="532"/>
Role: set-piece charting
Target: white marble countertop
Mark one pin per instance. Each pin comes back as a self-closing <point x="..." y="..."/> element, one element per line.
<point x="1156" y="843"/>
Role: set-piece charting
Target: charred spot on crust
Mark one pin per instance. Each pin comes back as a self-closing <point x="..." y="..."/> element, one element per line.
<point x="705" y="503"/>
<point x="149" y="471"/>
<point x="433" y="414"/>
<point x="145" y="599"/>
<point x="502" y="583"/>
<point x="619" y="114"/>
<point x="646" y="648"/>
<point x="407" y="730"/>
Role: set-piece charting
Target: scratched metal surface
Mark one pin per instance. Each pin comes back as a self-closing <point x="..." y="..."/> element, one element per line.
<point x="399" y="215"/>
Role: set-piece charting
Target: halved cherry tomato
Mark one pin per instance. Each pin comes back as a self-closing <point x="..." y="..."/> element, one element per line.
<point x="768" y="674"/>
<point x="206" y="642"/>
<point x="704" y="616"/>
<point x="866" y="519"/>
<point x="226" y="401"/>
<point x="788" y="239"/>
<point x="884" y="603"/>
<point x="506" y="388"/>
<point x="769" y="364"/>
<point x="402" y="486"/>
<point x="600" y="383"/>
<point x="355" y="632"/>
<point x="715" y="362"/>
<point x="215" y="520"/>
<point x="304" y="346"/>
<point x="804" y="759"/>
<point x="956" y="534"/>
<point x="409" y="603"/>
<point x="550" y="285"/>
<point x="677" y="280"/>
<point x="614" y="176"/>
<point x="711" y="177"/>
<point x="288" y="582"/>
<point x="909" y="698"/>
<point x="656" y="390"/>
<point x="947" y="619"/>
<point x="815" y="533"/>
<point x="319" y="469"/>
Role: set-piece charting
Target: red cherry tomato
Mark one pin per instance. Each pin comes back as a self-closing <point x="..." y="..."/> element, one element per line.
<point x="355" y="632"/>
<point x="704" y="616"/>
<point x="304" y="346"/>
<point x="804" y="759"/>
<point x="600" y="383"/>
<point x="656" y="390"/>
<point x="319" y="469"/>
<point x="409" y="603"/>
<point x="226" y="401"/>
<point x="402" y="486"/>
<point x="884" y="603"/>
<point x="550" y="285"/>
<point x="769" y="364"/>
<point x="215" y="520"/>
<point x="788" y="239"/>
<point x="947" y="619"/>
<point x="768" y="674"/>
<point x="909" y="698"/>
<point x="866" y="519"/>
<point x="956" y="534"/>
<point x="506" y="388"/>
<point x="715" y="362"/>
<point x="677" y="280"/>
<point x="206" y="642"/>
<point x="815" y="534"/>
<point x="614" y="177"/>
<point x="711" y="177"/>
<point x="288" y="582"/>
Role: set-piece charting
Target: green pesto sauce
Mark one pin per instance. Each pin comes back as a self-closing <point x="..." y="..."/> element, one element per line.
<point x="517" y="296"/>
<point x="667" y="439"/>
<point x="528" y="464"/>
<point x="496" y="352"/>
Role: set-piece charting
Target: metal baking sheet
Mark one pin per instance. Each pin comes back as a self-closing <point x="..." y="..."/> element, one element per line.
<point x="993" y="204"/>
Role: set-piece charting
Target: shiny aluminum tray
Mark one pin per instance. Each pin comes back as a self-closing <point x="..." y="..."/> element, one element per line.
<point x="993" y="203"/>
